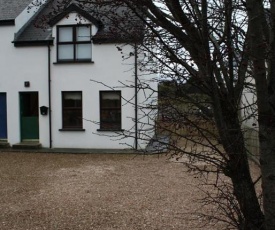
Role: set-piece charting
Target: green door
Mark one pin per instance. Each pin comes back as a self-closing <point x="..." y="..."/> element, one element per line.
<point x="29" y="116"/>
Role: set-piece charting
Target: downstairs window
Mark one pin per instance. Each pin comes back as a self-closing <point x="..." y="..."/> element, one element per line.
<point x="110" y="110"/>
<point x="72" y="110"/>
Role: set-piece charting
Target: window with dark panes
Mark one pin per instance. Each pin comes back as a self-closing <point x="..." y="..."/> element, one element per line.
<point x="110" y="110"/>
<point x="74" y="43"/>
<point x="72" y="109"/>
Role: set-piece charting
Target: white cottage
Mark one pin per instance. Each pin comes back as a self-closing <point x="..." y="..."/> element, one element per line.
<point x="61" y="86"/>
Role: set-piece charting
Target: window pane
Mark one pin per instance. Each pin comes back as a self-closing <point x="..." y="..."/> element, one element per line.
<point x="65" y="52"/>
<point x="111" y="115"/>
<point x="72" y="118"/>
<point x="111" y="95"/>
<point x="72" y="95"/>
<point x="65" y="34"/>
<point x="110" y="126"/>
<point x="72" y="109"/>
<point x="110" y="99"/>
<point x="83" y="51"/>
<point x="110" y="103"/>
<point x="83" y="33"/>
<point x="72" y="103"/>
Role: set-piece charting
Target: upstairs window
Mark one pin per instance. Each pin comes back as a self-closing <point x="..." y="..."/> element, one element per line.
<point x="110" y="110"/>
<point x="74" y="43"/>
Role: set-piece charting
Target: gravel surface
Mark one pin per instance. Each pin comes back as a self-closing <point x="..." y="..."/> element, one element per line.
<point x="97" y="191"/>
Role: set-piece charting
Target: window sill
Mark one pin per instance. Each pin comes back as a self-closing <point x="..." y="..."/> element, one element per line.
<point x="110" y="130"/>
<point x="72" y="129"/>
<point x="73" y="62"/>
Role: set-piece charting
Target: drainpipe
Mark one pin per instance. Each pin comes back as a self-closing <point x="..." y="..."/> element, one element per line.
<point x="49" y="94"/>
<point x="136" y="98"/>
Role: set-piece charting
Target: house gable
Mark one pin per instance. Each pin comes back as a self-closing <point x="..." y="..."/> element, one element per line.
<point x="80" y="13"/>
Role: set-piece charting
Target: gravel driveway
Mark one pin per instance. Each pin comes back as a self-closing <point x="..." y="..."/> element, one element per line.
<point x="96" y="191"/>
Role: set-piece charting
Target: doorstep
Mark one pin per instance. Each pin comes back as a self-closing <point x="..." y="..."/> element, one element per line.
<point x="27" y="145"/>
<point x="4" y="144"/>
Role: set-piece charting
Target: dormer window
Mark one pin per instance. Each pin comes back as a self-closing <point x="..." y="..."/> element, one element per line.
<point x="74" y="43"/>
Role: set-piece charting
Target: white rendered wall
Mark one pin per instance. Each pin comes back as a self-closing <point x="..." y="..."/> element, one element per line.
<point x="90" y="78"/>
<point x="249" y="116"/>
<point x="147" y="108"/>
<point x="249" y="111"/>
<point x="20" y="64"/>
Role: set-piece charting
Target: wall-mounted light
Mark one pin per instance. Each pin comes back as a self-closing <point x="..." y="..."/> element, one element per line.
<point x="27" y="84"/>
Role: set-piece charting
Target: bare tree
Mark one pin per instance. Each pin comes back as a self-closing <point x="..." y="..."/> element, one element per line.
<point x="210" y="44"/>
<point x="205" y="44"/>
<point x="208" y="51"/>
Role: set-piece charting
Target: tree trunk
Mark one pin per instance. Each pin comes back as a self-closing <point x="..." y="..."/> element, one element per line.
<point x="239" y="172"/>
<point x="245" y="192"/>
<point x="265" y="99"/>
<point x="267" y="147"/>
<point x="267" y="136"/>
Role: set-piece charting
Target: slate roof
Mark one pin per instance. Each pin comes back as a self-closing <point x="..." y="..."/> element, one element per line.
<point x="33" y="34"/>
<point x="117" y="28"/>
<point x="10" y="9"/>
